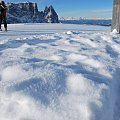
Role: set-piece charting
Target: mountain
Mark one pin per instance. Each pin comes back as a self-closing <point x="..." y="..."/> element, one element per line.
<point x="70" y="18"/>
<point x="28" y="13"/>
<point x="50" y="16"/>
<point x="102" y="22"/>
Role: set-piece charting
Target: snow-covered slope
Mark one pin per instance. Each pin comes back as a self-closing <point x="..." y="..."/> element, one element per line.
<point x="59" y="72"/>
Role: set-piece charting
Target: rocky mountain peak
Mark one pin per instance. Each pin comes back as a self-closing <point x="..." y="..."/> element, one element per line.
<point x="50" y="15"/>
<point x="28" y="13"/>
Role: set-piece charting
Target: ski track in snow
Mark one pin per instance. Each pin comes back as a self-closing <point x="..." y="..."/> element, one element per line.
<point x="59" y="72"/>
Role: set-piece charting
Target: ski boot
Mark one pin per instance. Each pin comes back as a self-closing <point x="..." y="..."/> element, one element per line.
<point x="5" y="29"/>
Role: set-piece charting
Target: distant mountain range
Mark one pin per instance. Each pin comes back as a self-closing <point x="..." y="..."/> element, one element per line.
<point x="28" y="13"/>
<point x="101" y="22"/>
<point x="80" y="18"/>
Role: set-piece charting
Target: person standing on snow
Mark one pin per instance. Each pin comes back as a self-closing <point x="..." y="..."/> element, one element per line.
<point x="3" y="9"/>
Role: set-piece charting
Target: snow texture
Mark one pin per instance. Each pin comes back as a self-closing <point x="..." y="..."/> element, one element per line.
<point x="59" y="72"/>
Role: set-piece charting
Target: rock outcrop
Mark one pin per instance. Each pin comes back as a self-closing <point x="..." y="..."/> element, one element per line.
<point x="29" y="13"/>
<point x="50" y="16"/>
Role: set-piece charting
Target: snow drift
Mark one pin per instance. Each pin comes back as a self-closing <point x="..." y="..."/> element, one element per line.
<point x="68" y="73"/>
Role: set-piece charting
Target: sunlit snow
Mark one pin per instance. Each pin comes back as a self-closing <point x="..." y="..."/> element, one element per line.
<point x="59" y="72"/>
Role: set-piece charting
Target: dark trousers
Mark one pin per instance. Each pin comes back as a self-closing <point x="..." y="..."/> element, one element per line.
<point x="3" y="19"/>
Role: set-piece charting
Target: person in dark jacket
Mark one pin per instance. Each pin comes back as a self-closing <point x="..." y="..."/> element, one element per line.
<point x="3" y="9"/>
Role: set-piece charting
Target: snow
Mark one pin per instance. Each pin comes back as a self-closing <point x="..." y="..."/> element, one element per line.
<point x="59" y="72"/>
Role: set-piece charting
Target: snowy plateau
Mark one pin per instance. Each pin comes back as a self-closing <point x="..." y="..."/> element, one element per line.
<point x="59" y="72"/>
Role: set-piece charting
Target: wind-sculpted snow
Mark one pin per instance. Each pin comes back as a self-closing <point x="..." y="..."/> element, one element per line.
<point x="68" y="73"/>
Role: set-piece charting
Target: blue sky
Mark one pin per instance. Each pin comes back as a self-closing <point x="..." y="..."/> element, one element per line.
<point x="77" y="8"/>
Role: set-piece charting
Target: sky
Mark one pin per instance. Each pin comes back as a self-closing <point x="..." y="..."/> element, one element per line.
<point x="77" y="8"/>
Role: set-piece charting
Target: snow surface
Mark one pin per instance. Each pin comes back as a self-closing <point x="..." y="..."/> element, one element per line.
<point x="59" y="72"/>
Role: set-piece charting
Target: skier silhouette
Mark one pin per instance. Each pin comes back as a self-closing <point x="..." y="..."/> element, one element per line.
<point x="3" y="9"/>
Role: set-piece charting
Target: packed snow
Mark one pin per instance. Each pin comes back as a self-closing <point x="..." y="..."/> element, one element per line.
<point x="59" y="72"/>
